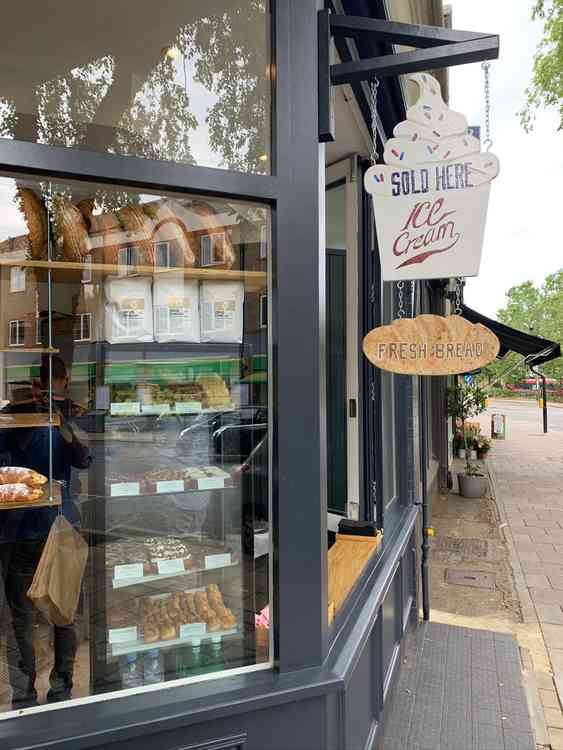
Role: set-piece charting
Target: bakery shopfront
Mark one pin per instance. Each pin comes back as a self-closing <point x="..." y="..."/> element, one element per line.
<point x="186" y="275"/>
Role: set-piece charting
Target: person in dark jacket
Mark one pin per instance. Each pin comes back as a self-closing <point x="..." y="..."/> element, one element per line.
<point x="23" y="533"/>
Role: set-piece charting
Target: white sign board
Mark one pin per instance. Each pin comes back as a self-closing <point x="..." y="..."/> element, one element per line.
<point x="431" y="195"/>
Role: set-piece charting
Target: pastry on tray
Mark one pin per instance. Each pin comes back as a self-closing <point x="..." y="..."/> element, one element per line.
<point x="21" y="475"/>
<point x="19" y="493"/>
<point x="164" y="616"/>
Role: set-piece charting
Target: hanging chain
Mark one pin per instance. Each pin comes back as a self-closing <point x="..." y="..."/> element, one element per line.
<point x="400" y="301"/>
<point x="486" y="69"/>
<point x="413" y="298"/>
<point x="373" y="107"/>
<point x="458" y="288"/>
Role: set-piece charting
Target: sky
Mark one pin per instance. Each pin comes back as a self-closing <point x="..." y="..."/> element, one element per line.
<point x="522" y="240"/>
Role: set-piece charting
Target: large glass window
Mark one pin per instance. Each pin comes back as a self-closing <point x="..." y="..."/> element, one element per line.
<point x="136" y="409"/>
<point x="185" y="81"/>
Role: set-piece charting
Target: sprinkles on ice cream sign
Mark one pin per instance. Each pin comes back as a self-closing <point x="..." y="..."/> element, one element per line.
<point x="431" y="195"/>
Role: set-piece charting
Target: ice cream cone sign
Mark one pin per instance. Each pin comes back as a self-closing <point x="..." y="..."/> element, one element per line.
<point x="431" y="195"/>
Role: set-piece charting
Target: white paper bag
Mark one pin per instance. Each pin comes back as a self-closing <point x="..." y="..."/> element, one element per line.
<point x="221" y="311"/>
<point x="176" y="308"/>
<point x="129" y="315"/>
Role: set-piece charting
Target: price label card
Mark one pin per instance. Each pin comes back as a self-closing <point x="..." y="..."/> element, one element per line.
<point x="217" y="561"/>
<point x="211" y="483"/>
<point x="170" y="567"/>
<point x="125" y="488"/>
<point x="172" y="485"/>
<point x="194" y="630"/>
<point x="123" y="572"/>
<point x="126" y="408"/>
<point x="123" y="635"/>
<point x="188" y="407"/>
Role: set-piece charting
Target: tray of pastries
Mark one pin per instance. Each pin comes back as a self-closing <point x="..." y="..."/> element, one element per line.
<point x="169" y="620"/>
<point x="133" y="561"/>
<point x="164" y="616"/>
<point x="168" y="480"/>
<point x="24" y="488"/>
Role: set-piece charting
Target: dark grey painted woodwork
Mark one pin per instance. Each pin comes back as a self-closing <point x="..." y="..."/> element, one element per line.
<point x="67" y="164"/>
<point x="391" y="614"/>
<point x="299" y="458"/>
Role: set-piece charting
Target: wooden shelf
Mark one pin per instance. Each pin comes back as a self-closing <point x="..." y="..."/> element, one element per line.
<point x="251" y="279"/>
<point x="28" y="350"/>
<point x="43" y="501"/>
<point x="347" y="560"/>
<point x="15" y="421"/>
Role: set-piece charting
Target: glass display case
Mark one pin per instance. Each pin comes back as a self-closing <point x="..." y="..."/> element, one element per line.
<point x="134" y="386"/>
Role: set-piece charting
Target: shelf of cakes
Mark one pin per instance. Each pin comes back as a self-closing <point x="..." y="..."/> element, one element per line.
<point x="169" y="620"/>
<point x="170" y="481"/>
<point x="152" y="559"/>
<point x="206" y="395"/>
<point x="25" y="488"/>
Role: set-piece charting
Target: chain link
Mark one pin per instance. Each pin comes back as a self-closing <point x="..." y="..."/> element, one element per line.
<point x="458" y="288"/>
<point x="413" y="297"/>
<point x="374" y="85"/>
<point x="486" y="69"/>
<point x="400" y="301"/>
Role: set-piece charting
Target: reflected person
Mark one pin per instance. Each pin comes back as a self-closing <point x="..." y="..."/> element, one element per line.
<point x="23" y="533"/>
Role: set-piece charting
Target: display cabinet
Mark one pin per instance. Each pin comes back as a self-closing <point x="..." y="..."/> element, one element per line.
<point x="142" y="331"/>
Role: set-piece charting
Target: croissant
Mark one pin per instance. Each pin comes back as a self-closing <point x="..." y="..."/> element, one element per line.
<point x="19" y="474"/>
<point x="151" y="633"/>
<point x="18" y="493"/>
<point x="201" y="604"/>
<point x="213" y="625"/>
<point x="167" y="631"/>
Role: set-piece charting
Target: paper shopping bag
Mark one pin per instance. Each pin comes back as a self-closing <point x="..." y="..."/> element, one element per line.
<point x="56" y="585"/>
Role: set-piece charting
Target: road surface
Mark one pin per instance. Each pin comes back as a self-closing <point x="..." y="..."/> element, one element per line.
<point x="523" y="416"/>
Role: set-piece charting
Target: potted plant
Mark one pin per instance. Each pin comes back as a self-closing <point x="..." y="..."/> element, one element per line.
<point x="483" y="446"/>
<point x="464" y="402"/>
<point x="472" y="483"/>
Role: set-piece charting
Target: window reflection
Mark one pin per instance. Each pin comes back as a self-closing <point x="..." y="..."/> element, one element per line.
<point x="189" y="84"/>
<point x="134" y="382"/>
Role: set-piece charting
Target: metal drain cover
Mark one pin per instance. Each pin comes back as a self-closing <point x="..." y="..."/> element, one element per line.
<point x="464" y="546"/>
<point x="476" y="578"/>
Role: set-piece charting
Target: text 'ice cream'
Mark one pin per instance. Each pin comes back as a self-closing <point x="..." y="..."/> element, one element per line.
<point x="431" y="195"/>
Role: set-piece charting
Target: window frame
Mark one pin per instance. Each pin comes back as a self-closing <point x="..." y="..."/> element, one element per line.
<point x="22" y="276"/>
<point x="213" y="237"/>
<point x="156" y="246"/>
<point x="82" y="317"/>
<point x="19" y="327"/>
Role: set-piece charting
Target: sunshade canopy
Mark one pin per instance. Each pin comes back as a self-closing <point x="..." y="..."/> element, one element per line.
<point x="534" y="349"/>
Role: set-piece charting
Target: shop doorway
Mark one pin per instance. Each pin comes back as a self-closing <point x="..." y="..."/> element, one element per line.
<point x="342" y="338"/>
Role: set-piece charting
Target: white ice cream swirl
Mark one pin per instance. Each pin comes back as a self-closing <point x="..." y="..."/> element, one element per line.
<point x="432" y="131"/>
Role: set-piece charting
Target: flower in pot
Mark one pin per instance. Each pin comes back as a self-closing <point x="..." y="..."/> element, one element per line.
<point x="472" y="483"/>
<point x="483" y="446"/>
<point x="464" y="402"/>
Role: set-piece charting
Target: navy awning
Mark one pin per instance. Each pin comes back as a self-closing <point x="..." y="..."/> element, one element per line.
<point x="535" y="350"/>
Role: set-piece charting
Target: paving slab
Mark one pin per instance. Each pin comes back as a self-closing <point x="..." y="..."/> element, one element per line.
<point x="469" y="709"/>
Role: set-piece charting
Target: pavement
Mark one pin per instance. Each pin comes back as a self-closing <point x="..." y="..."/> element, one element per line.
<point x="527" y="481"/>
<point x="459" y="689"/>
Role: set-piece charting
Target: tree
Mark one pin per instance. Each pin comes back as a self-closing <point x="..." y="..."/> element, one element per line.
<point x="464" y="402"/>
<point x="546" y="88"/>
<point x="534" y="310"/>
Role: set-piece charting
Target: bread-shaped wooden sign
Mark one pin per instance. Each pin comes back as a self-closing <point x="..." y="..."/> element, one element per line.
<point x="431" y="345"/>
